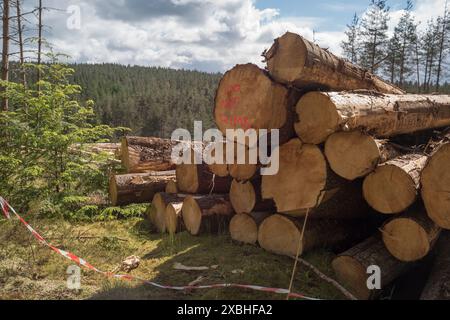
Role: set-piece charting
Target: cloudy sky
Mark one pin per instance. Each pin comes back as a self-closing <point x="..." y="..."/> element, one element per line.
<point x="207" y="35"/>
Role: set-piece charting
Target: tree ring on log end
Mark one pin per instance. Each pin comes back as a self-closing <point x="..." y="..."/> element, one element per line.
<point x="189" y="183"/>
<point x="242" y="196"/>
<point x="280" y="235"/>
<point x="352" y="155"/>
<point x="318" y="117"/>
<point x="247" y="98"/>
<point x="389" y="189"/>
<point x="243" y="228"/>
<point x="192" y="215"/>
<point x="159" y="210"/>
<point x="405" y="239"/>
<point x="290" y="59"/>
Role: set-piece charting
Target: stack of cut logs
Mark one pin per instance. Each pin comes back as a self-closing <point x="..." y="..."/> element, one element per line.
<point x="365" y="164"/>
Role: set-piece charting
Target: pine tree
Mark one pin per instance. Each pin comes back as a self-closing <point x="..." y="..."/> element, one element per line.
<point x="405" y="35"/>
<point x="350" y="46"/>
<point x="443" y="30"/>
<point x="374" y="37"/>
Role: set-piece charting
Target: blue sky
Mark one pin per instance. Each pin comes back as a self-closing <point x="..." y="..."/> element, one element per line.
<point x="332" y="14"/>
<point x="206" y="35"/>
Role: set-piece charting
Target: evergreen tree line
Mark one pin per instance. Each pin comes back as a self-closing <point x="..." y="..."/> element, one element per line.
<point x="413" y="55"/>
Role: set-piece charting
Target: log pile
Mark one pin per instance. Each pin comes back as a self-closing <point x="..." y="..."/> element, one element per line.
<point x="348" y="157"/>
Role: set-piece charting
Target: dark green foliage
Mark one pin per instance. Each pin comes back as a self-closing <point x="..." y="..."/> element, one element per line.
<point x="44" y="159"/>
<point x="151" y="101"/>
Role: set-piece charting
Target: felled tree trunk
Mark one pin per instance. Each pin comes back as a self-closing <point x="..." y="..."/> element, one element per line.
<point x="144" y="154"/>
<point x="219" y="169"/>
<point x="197" y="178"/>
<point x="345" y="202"/>
<point x="171" y="187"/>
<point x="246" y="197"/>
<point x="206" y="214"/>
<point x="281" y="234"/>
<point x="351" y="267"/>
<point x="157" y="210"/>
<point x="248" y="98"/>
<point x="294" y="60"/>
<point x="244" y="227"/>
<point x="304" y="179"/>
<point x="435" y="181"/>
<point x="393" y="186"/>
<point x="246" y="168"/>
<point x="410" y="236"/>
<point x="354" y="154"/>
<point x="438" y="284"/>
<point x="382" y="115"/>
<point x="174" y="221"/>
<point x="137" y="187"/>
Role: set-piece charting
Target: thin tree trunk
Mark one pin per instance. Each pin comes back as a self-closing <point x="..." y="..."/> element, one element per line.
<point x="39" y="59"/>
<point x="5" y="52"/>
<point x="20" y="34"/>
<point x="441" y="47"/>
<point x="417" y="67"/>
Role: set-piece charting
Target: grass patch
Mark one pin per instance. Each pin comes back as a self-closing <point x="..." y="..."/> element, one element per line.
<point x="30" y="271"/>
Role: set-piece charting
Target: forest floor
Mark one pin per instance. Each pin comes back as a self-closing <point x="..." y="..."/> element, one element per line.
<point x="29" y="270"/>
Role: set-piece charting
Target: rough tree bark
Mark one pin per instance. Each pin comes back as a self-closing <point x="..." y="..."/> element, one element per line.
<point x="382" y="115"/>
<point x="145" y="154"/>
<point x="137" y="188"/>
<point x="351" y="267"/>
<point x="296" y="61"/>
<point x="438" y="284"/>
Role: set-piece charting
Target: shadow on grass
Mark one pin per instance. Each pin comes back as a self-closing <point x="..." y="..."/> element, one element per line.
<point x="236" y="263"/>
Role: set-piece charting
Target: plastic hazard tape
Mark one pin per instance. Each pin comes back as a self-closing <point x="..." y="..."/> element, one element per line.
<point x="7" y="210"/>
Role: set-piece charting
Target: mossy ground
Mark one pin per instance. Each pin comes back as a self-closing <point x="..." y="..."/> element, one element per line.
<point x="29" y="270"/>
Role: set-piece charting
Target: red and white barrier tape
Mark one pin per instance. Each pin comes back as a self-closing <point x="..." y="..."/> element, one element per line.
<point x="7" y="209"/>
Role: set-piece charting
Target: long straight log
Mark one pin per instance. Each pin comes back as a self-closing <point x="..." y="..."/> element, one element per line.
<point x="351" y="267"/>
<point x="246" y="197"/>
<point x="382" y="115"/>
<point x="206" y="214"/>
<point x="435" y="181"/>
<point x="355" y="154"/>
<point x="198" y="178"/>
<point x="281" y="234"/>
<point x="244" y="227"/>
<point x="394" y="186"/>
<point x="157" y="210"/>
<point x="137" y="187"/>
<point x="304" y="181"/>
<point x="248" y="98"/>
<point x="438" y="283"/>
<point x="144" y="154"/>
<point x="411" y="236"/>
<point x="296" y="61"/>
